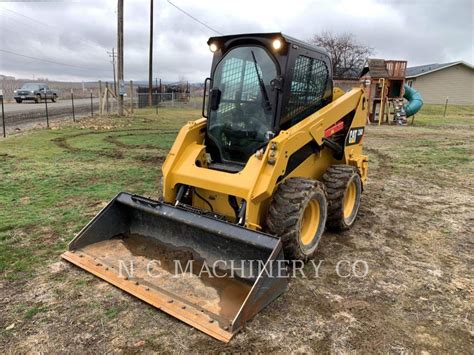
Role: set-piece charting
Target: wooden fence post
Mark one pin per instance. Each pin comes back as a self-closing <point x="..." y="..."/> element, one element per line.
<point x="131" y="96"/>
<point x="107" y="107"/>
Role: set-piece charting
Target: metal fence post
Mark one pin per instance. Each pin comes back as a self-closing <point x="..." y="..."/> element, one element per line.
<point x="445" y="107"/>
<point x="100" y="98"/>
<point x="172" y="99"/>
<point x="46" y="106"/>
<point x="157" y="99"/>
<point x="92" y="105"/>
<point x="73" y="111"/>
<point x="3" y="116"/>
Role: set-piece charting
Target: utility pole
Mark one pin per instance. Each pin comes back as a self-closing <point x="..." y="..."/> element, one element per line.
<point x="120" y="52"/>
<point x="150" y="59"/>
<point x="113" y="55"/>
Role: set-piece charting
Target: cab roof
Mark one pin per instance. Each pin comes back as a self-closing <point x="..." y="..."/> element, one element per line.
<point x="269" y="35"/>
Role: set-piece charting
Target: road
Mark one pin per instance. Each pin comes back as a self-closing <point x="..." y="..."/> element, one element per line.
<point x="28" y="115"/>
<point x="32" y="106"/>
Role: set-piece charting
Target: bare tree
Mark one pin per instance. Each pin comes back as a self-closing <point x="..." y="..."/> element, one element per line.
<point x="347" y="54"/>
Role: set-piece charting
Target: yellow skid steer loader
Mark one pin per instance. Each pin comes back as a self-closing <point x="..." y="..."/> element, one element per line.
<point x="276" y="159"/>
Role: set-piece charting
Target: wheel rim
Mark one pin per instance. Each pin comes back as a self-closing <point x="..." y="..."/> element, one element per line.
<point x="310" y="222"/>
<point x="350" y="199"/>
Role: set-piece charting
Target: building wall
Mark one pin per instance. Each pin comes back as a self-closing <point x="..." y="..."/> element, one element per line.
<point x="456" y="82"/>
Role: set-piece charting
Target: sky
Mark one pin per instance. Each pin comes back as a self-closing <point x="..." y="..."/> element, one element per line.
<point x="69" y="40"/>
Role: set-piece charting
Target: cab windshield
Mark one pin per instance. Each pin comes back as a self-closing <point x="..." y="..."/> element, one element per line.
<point x="30" y="87"/>
<point x="243" y="120"/>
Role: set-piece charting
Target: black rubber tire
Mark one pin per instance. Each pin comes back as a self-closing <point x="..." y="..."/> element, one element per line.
<point x="54" y="98"/>
<point x="286" y="211"/>
<point x="337" y="179"/>
<point x="19" y="101"/>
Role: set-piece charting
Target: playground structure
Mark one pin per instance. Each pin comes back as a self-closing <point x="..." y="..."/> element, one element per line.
<point x="387" y="90"/>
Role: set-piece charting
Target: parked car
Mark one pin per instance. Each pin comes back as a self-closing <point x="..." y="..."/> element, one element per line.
<point x="36" y="92"/>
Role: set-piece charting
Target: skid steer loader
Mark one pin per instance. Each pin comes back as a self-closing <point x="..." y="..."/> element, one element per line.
<point x="275" y="159"/>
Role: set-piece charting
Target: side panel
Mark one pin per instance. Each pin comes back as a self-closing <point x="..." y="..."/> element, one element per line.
<point x="192" y="132"/>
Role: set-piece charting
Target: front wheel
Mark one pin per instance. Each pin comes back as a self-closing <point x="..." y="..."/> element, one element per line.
<point x="18" y="101"/>
<point x="297" y="214"/>
<point x="54" y="98"/>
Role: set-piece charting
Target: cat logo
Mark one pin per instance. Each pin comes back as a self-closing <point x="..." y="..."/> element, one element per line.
<point x="355" y="135"/>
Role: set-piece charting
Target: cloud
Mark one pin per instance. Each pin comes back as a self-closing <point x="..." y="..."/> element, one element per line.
<point x="79" y="34"/>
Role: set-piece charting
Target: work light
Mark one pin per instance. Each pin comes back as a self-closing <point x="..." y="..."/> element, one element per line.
<point x="277" y="44"/>
<point x="213" y="47"/>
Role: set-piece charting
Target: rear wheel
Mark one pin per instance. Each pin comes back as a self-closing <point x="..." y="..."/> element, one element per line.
<point x="344" y="189"/>
<point x="18" y="101"/>
<point x="37" y="98"/>
<point x="297" y="215"/>
<point x="54" y="98"/>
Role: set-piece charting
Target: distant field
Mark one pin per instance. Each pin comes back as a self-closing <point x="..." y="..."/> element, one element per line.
<point x="432" y="115"/>
<point x="414" y="231"/>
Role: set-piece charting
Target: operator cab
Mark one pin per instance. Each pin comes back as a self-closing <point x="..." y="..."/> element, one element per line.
<point x="260" y="84"/>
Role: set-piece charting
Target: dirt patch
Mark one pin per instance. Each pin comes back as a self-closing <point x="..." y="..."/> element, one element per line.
<point x="414" y="234"/>
<point x="121" y="148"/>
<point x="155" y="160"/>
<point x="62" y="142"/>
<point x="6" y="156"/>
<point x="115" y="140"/>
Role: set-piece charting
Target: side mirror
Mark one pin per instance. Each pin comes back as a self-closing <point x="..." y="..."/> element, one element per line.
<point x="215" y="99"/>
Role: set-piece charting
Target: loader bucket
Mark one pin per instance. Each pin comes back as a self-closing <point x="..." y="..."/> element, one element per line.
<point x="209" y="273"/>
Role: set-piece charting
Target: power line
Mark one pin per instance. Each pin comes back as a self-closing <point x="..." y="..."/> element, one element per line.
<point x="49" y="61"/>
<point x="7" y="29"/>
<point x="29" y="18"/>
<point x="14" y="19"/>
<point x="41" y="23"/>
<point x="194" y="18"/>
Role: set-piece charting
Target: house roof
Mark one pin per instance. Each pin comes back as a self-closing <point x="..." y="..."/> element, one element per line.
<point x="414" y="72"/>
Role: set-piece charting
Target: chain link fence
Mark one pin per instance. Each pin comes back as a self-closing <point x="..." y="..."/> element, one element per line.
<point x="25" y="116"/>
<point x="173" y="99"/>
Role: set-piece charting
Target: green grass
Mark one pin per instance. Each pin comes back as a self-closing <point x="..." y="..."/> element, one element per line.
<point x="31" y="312"/>
<point x="53" y="181"/>
<point x="112" y="312"/>
<point x="436" y="156"/>
<point x="433" y="115"/>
